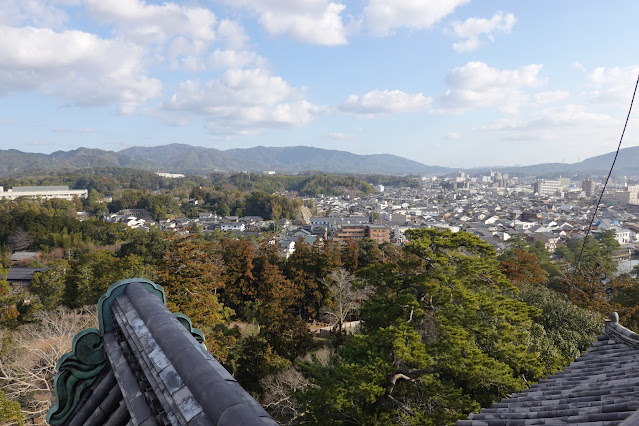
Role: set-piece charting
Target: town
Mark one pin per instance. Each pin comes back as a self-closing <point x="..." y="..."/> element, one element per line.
<point x="494" y="207"/>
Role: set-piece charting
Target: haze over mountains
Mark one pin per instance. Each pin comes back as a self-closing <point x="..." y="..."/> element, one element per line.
<point x="187" y="159"/>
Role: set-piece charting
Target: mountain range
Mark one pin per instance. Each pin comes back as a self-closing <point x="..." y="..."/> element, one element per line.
<point x="187" y="159"/>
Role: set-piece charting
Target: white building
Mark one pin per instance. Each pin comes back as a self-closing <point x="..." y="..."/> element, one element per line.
<point x="170" y="175"/>
<point x="233" y="226"/>
<point x="44" y="192"/>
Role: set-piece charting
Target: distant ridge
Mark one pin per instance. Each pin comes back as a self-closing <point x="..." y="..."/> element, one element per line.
<point x="187" y="159"/>
<point x="627" y="164"/>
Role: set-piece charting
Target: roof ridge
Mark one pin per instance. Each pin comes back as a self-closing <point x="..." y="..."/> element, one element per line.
<point x="619" y="333"/>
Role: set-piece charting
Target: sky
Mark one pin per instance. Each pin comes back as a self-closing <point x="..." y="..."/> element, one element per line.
<point x="455" y="83"/>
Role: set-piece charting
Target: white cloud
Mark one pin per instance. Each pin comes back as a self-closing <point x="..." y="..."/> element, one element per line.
<point x="543" y="98"/>
<point x="566" y="115"/>
<point x="309" y="21"/>
<point x="612" y="84"/>
<point x="579" y="66"/>
<point x="471" y="29"/>
<point x="382" y="16"/>
<point x="244" y="101"/>
<point x="253" y="120"/>
<point x="232" y="33"/>
<point x="73" y="131"/>
<point x="77" y="65"/>
<point x="338" y="136"/>
<point x="40" y="13"/>
<point x="149" y="23"/>
<point x="471" y="43"/>
<point x="235" y="88"/>
<point x="453" y="136"/>
<point x="581" y="132"/>
<point x="385" y="101"/>
<point x="572" y="125"/>
<point x="479" y="85"/>
<point x="233" y="58"/>
<point x="185" y="31"/>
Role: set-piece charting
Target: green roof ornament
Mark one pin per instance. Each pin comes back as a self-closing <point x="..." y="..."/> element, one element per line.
<point x="87" y="361"/>
<point x="77" y="370"/>
<point x="116" y="289"/>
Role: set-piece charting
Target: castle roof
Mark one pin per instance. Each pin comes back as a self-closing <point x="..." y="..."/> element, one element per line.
<point x="601" y="388"/>
<point x="146" y="366"/>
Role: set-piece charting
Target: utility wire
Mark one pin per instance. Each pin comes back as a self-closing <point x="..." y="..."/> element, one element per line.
<point x="605" y="184"/>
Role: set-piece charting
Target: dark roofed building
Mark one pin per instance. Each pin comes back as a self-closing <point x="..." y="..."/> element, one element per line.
<point x="601" y="388"/>
<point x="146" y="366"/>
<point x="20" y="278"/>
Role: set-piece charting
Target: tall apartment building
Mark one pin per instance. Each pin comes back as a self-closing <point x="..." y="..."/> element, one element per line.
<point x="588" y="187"/>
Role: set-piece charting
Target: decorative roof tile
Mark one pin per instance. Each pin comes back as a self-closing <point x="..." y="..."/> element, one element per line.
<point x="146" y="366"/>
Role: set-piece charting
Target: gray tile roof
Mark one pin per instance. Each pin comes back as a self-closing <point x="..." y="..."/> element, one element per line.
<point x="146" y="366"/>
<point x="601" y="388"/>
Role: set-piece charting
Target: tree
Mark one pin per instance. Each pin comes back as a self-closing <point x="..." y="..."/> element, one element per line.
<point x="20" y="240"/>
<point x="238" y="257"/>
<point x="10" y="411"/>
<point x="150" y="245"/>
<point x="8" y="302"/>
<point x="28" y="358"/>
<point x="346" y="297"/>
<point x="441" y="336"/>
<point x="522" y="267"/>
<point x="191" y="274"/>
<point x="285" y="332"/>
<point x="49" y="285"/>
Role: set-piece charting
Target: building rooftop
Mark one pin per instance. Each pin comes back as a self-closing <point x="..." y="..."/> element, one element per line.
<point x="601" y="388"/>
<point x="146" y="366"/>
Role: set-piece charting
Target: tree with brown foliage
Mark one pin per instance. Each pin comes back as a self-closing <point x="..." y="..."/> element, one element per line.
<point x="238" y="256"/>
<point x="522" y="267"/>
<point x="191" y="273"/>
<point x="29" y="356"/>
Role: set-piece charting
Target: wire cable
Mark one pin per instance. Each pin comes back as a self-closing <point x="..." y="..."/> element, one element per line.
<point x="605" y="184"/>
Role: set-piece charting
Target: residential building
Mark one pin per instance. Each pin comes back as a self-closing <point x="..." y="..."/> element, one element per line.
<point x="629" y="195"/>
<point x="588" y="187"/>
<point x="379" y="233"/>
<point x="43" y="192"/>
<point x="546" y="186"/>
<point x="170" y="175"/>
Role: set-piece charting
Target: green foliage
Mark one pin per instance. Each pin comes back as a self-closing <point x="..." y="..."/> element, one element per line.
<point x="563" y="330"/>
<point x="46" y="226"/>
<point x="256" y="361"/>
<point x="50" y="285"/>
<point x="148" y="245"/>
<point x="596" y="259"/>
<point x="274" y="207"/>
<point x="442" y="335"/>
<point x="10" y="411"/>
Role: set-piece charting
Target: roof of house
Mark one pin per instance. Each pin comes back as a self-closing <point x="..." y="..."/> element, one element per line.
<point x="146" y="366"/>
<point x="22" y="274"/>
<point x="601" y="388"/>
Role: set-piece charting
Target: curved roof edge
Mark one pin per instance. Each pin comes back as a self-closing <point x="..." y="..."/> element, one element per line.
<point x="619" y="333"/>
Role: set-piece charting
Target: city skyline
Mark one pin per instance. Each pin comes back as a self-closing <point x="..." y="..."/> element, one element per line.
<point x="452" y="83"/>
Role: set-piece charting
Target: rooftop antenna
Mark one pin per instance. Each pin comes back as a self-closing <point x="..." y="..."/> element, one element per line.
<point x="594" y="214"/>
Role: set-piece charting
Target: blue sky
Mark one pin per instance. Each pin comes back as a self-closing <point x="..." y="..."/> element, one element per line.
<point x="456" y="83"/>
